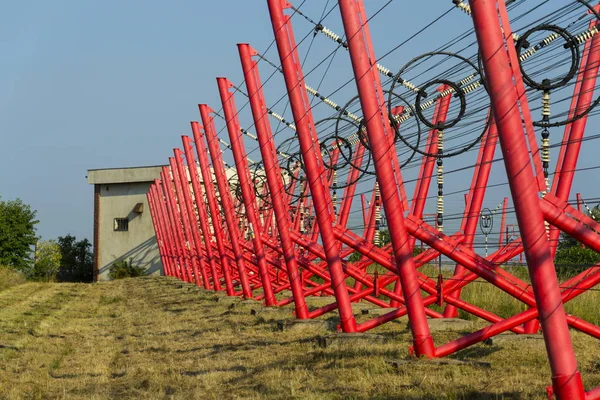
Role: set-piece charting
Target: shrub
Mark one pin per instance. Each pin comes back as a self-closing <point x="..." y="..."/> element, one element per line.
<point x="572" y="260"/>
<point x="125" y="269"/>
<point x="9" y="277"/>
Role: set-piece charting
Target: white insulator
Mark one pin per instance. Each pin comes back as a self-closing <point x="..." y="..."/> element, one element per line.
<point x="310" y="90"/>
<point x="527" y="54"/>
<point x="331" y="35"/>
<point x="281" y="119"/>
<point x="383" y="70"/>
<point x="224" y="143"/>
<point x="405" y="116"/>
<point x="587" y="35"/>
<point x="330" y="103"/>
<point x="249" y="134"/>
<point x="427" y="104"/>
<point x="464" y="7"/>
<point x="410" y="86"/>
<point x="446" y="92"/>
<point x="376" y="239"/>
<point x="471" y="87"/>
<point x="353" y="117"/>
<point x="550" y="39"/>
<point x="440" y="205"/>
<point x="353" y="139"/>
<point x="282" y="154"/>
<point x="546" y="104"/>
<point x="467" y="80"/>
<point x="545" y="150"/>
<point x="516" y="37"/>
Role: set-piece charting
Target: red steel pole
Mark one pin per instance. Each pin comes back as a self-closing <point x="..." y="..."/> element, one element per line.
<point x="273" y="175"/>
<point x="313" y="163"/>
<point x="167" y="186"/>
<point x="380" y="134"/>
<point x="503" y="223"/>
<point x="243" y="173"/>
<point x="200" y="206"/>
<point x="159" y="233"/>
<point x="163" y="215"/>
<point x="566" y="378"/>
<point x="572" y="149"/>
<point x="187" y="234"/>
<point x="211" y="198"/>
<point x="191" y="217"/>
<point x="225" y="198"/>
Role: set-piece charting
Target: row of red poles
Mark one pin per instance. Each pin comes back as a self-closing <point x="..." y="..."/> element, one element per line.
<point x="257" y="244"/>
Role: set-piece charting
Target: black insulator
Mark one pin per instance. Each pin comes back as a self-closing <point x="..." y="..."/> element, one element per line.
<point x="545" y="134"/>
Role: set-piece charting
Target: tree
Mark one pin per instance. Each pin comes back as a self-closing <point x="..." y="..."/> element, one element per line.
<point x="17" y="234"/>
<point x="47" y="261"/>
<point x="77" y="259"/>
<point x="571" y="256"/>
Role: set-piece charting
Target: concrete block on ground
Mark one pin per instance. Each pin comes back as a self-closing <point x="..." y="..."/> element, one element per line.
<point x="506" y="338"/>
<point x="306" y="325"/>
<point x="438" y="361"/>
<point x="318" y="302"/>
<point x="449" y="325"/>
<point x="350" y="339"/>
<point x="377" y="311"/>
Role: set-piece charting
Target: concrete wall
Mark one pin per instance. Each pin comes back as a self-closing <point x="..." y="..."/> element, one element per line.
<point x="116" y="193"/>
<point x="118" y="200"/>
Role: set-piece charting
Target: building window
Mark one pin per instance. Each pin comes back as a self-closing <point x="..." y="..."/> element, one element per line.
<point x="121" y="224"/>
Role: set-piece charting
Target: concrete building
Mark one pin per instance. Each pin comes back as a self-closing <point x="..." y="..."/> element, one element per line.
<point x="123" y="227"/>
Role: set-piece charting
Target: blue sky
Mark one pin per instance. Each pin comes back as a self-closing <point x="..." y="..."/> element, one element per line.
<point x="87" y="84"/>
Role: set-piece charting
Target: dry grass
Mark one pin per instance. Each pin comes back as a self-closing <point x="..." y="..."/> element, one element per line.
<point x="9" y="278"/>
<point x="160" y="339"/>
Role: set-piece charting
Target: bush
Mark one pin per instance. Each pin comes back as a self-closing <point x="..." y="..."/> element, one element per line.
<point x="125" y="269"/>
<point x="572" y="260"/>
<point x="9" y="278"/>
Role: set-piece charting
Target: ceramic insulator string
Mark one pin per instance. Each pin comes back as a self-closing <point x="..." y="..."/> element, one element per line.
<point x="377" y="237"/>
<point x="440" y="180"/>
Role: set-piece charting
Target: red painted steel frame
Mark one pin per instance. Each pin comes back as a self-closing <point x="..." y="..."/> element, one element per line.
<point x="380" y="133"/>
<point x="305" y="126"/>
<point x="180" y="206"/>
<point x="273" y="174"/>
<point x="243" y="175"/>
<point x="191" y="218"/>
<point x="211" y="199"/>
<point x="167" y="188"/>
<point x="160" y="238"/>
<point x="225" y="196"/>
<point x="201" y="209"/>
<point x="566" y="378"/>
<point x="166" y="224"/>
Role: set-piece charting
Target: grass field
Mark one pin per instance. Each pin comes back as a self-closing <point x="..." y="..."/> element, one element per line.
<point x="160" y="339"/>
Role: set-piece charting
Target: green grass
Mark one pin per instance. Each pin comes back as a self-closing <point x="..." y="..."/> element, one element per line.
<point x="157" y="338"/>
